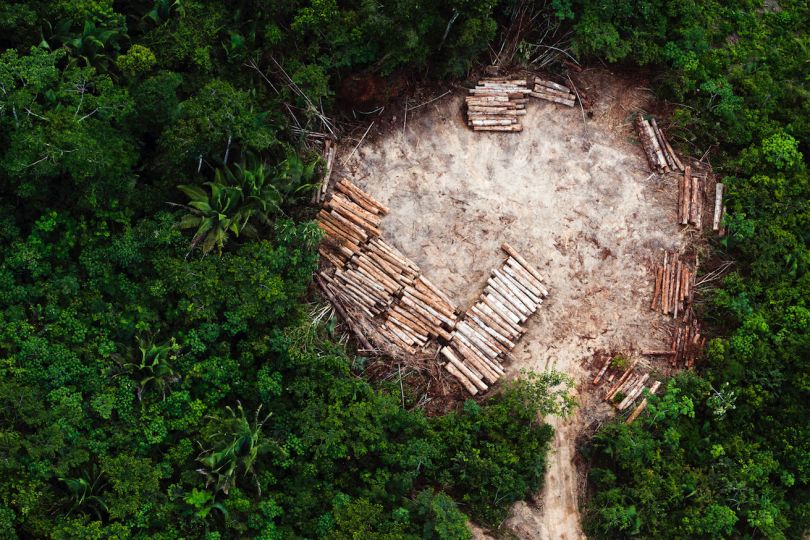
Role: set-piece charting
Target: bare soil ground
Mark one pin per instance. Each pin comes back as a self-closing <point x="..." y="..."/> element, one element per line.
<point x="577" y="199"/>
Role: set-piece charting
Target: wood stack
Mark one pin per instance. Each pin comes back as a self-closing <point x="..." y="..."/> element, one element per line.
<point x="659" y="152"/>
<point x="496" y="104"/>
<point x="379" y="292"/>
<point x="687" y="342"/>
<point x="551" y="91"/>
<point x="643" y="405"/>
<point x="629" y="387"/>
<point x="674" y="286"/>
<point x="691" y="198"/>
<point x="489" y="330"/>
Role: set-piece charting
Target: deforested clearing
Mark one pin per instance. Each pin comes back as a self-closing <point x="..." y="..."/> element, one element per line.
<point x="576" y="197"/>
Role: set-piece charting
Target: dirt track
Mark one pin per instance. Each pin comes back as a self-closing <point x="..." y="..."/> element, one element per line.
<point x="577" y="200"/>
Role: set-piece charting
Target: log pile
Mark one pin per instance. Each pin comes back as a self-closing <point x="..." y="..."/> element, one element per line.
<point x="489" y="330"/>
<point x="674" y="287"/>
<point x="496" y="104"/>
<point x="687" y="342"/>
<point x="551" y="91"/>
<point x="382" y="295"/>
<point x="691" y="198"/>
<point x="628" y="384"/>
<point x="659" y="152"/>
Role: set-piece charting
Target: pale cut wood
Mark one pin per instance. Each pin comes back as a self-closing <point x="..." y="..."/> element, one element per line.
<point x="463" y="330"/>
<point x="501" y="310"/>
<point x="491" y="293"/>
<point x="493" y="285"/>
<point x="694" y="209"/>
<point x="435" y="290"/>
<point x="718" y="206"/>
<point x="602" y="371"/>
<point x="474" y="346"/>
<point x="552" y="98"/>
<point x="493" y="321"/>
<point x="512" y="252"/>
<point x="526" y="298"/>
<point x="540" y="89"/>
<point x="341" y="200"/>
<point x="504" y="274"/>
<point x="677" y="294"/>
<point x="634" y="393"/>
<point x="468" y="353"/>
<point x="461" y="378"/>
<point x="491" y="330"/>
<point x="619" y="383"/>
<point x="494" y="309"/>
<point x="522" y="280"/>
<point x="672" y="153"/>
<point x="358" y="196"/>
<point x="512" y="128"/>
<point x="483" y="331"/>
<point x="487" y="375"/>
<point x="551" y="84"/>
<point x="495" y="122"/>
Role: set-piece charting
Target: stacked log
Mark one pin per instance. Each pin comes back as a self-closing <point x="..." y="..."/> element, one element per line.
<point x="496" y="104"/>
<point x="554" y="92"/>
<point x="643" y="405"/>
<point x="382" y="294"/>
<point x="659" y="152"/>
<point x="489" y="330"/>
<point x="688" y="343"/>
<point x="674" y="283"/>
<point x="691" y="198"/>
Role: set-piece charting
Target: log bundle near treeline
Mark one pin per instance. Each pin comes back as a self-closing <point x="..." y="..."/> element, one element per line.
<point x="554" y="92"/>
<point x="660" y="155"/>
<point x="673" y="293"/>
<point x="382" y="295"/>
<point x="624" y="386"/>
<point x="489" y="330"/>
<point x="496" y="104"/>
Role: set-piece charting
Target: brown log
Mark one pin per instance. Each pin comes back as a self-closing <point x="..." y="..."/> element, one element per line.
<point x="464" y="330"/>
<point x="677" y="292"/>
<point x="435" y="290"/>
<point x="362" y="198"/>
<point x="634" y="392"/>
<point x="672" y="154"/>
<point x="433" y="301"/>
<point x="513" y="128"/>
<point x="646" y="144"/>
<point x="662" y="143"/>
<point x="665" y="286"/>
<point x="659" y="273"/>
<point x="488" y="376"/>
<point x="490" y="292"/>
<point x="343" y="315"/>
<point x="509" y="297"/>
<point x="363" y="263"/>
<point x="681" y="198"/>
<point x="485" y="305"/>
<point x="341" y="200"/>
<point x="567" y="94"/>
<point x="385" y="246"/>
<point x="345" y="231"/>
<point x="659" y="153"/>
<point x="491" y="329"/>
<point x="619" y="383"/>
<point x="643" y="405"/>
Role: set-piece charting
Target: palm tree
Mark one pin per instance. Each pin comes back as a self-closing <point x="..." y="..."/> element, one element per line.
<point x="252" y="190"/>
<point x="214" y="215"/>
<point x="236" y="442"/>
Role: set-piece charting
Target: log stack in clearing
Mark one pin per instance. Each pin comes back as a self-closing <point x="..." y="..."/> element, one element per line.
<point x="554" y="92"/>
<point x="674" y="286"/>
<point x="497" y="104"/>
<point x="659" y="152"/>
<point x="489" y="330"/>
<point x="380" y="293"/>
<point x="625" y="386"/>
<point x="673" y="293"/>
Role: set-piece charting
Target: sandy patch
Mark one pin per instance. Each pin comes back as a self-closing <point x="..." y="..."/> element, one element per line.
<point x="577" y="200"/>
